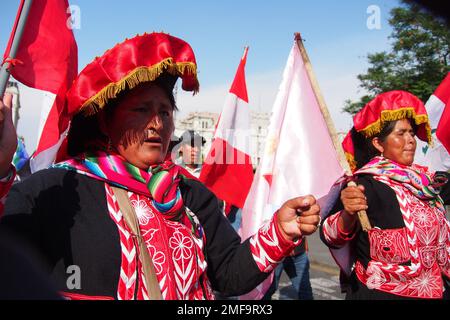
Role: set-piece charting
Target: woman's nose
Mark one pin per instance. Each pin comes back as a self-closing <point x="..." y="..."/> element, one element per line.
<point x="155" y="122"/>
<point x="410" y="138"/>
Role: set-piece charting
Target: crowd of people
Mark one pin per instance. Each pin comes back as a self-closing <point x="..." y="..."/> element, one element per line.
<point x="141" y="226"/>
<point x="136" y="224"/>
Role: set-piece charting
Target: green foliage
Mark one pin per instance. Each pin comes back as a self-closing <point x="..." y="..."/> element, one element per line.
<point x="353" y="107"/>
<point x="418" y="61"/>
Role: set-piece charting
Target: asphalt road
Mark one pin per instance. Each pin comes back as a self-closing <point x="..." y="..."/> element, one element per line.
<point x="324" y="275"/>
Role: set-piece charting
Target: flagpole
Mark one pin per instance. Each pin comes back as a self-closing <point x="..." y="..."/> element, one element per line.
<point x="4" y="71"/>
<point x="244" y="56"/>
<point x="362" y="215"/>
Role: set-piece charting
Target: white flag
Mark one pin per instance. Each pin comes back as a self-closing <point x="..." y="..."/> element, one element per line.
<point x="299" y="157"/>
<point x="436" y="157"/>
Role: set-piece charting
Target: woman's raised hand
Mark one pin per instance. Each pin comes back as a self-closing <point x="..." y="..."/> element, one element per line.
<point x="8" y="135"/>
<point x="299" y="217"/>
<point x="353" y="199"/>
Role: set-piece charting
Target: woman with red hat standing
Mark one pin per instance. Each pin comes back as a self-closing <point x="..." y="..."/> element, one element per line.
<point x="135" y="225"/>
<point x="406" y="251"/>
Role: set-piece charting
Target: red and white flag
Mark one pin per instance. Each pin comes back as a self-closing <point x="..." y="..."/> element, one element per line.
<point x="227" y="169"/>
<point x="47" y="59"/>
<point x="299" y="157"/>
<point x="436" y="157"/>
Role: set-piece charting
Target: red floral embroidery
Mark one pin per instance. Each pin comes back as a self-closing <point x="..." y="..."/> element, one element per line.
<point x="333" y="234"/>
<point x="427" y="237"/>
<point x="176" y="254"/>
<point x="76" y="296"/>
<point x="269" y="247"/>
<point x="424" y="218"/>
<point x="181" y="246"/>
<point x="389" y="245"/>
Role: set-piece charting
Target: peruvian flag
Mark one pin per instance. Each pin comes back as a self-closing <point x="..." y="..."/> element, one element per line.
<point x="47" y="59"/>
<point x="299" y="156"/>
<point x="437" y="156"/>
<point x="227" y="169"/>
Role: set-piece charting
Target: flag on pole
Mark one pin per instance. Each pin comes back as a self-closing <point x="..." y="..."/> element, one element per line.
<point x="299" y="157"/>
<point x="47" y="59"/>
<point x="437" y="157"/>
<point x="227" y="170"/>
<point x="47" y="53"/>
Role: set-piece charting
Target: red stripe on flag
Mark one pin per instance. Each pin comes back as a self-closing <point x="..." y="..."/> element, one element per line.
<point x="443" y="128"/>
<point x="443" y="91"/>
<point x="268" y="178"/>
<point x="49" y="61"/>
<point x="13" y="33"/>
<point x="47" y="50"/>
<point x="239" y="87"/>
<point x="228" y="173"/>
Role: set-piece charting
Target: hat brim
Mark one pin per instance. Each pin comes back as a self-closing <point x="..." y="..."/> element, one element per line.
<point x="136" y="77"/>
<point x="141" y="59"/>
<point x="421" y="120"/>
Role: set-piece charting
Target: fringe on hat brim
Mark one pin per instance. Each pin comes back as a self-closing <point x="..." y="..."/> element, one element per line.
<point x="394" y="115"/>
<point x="133" y="79"/>
<point x="351" y="161"/>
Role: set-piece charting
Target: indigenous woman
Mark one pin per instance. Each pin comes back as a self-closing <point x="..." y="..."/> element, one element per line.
<point x="135" y="225"/>
<point x="406" y="253"/>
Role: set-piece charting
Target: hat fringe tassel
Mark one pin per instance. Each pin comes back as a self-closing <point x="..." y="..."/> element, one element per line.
<point x="394" y="115"/>
<point x="351" y="161"/>
<point x="133" y="79"/>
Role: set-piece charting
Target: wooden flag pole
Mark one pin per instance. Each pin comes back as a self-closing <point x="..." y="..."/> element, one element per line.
<point x="362" y="215"/>
<point x="4" y="71"/>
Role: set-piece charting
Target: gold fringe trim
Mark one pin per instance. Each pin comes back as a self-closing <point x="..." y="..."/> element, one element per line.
<point x="133" y="79"/>
<point x="393" y="115"/>
<point x="351" y="161"/>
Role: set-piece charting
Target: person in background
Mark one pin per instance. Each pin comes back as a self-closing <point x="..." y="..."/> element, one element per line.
<point x="190" y="149"/>
<point x="21" y="160"/>
<point x="296" y="266"/>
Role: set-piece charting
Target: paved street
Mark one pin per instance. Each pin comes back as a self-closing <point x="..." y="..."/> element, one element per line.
<point x="324" y="275"/>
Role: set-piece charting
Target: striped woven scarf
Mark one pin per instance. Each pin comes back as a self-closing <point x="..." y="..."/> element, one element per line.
<point x="159" y="183"/>
<point x="415" y="178"/>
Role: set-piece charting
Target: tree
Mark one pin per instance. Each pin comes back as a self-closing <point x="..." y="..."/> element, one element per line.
<point x="418" y="61"/>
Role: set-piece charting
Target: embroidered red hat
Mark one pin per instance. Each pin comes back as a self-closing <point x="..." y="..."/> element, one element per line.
<point x="386" y="107"/>
<point x="143" y="58"/>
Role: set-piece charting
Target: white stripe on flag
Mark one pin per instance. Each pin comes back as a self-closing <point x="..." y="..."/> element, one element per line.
<point x="234" y="121"/>
<point x="434" y="156"/>
<point x="299" y="157"/>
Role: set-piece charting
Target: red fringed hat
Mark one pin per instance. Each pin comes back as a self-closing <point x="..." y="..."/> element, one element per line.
<point x="144" y="58"/>
<point x="140" y="59"/>
<point x="388" y="106"/>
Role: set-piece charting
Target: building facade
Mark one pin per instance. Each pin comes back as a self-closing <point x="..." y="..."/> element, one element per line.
<point x="13" y="88"/>
<point x="204" y="123"/>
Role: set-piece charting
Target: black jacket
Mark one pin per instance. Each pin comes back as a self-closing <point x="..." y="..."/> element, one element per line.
<point x="384" y="212"/>
<point x="64" y="216"/>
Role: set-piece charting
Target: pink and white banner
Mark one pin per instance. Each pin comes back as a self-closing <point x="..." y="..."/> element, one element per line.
<point x="299" y="157"/>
